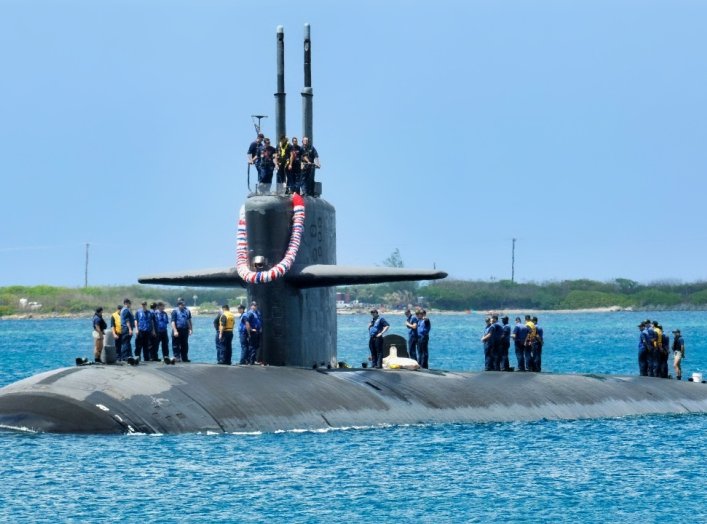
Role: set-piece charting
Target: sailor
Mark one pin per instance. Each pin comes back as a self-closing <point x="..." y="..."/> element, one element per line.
<point x="487" y="339"/>
<point x="496" y="336"/>
<point x="161" y="325"/>
<point x="181" y="330"/>
<point x="254" y="325"/>
<point x="143" y="330"/>
<point x="505" y="344"/>
<point x="153" y="334"/>
<point x="657" y="348"/>
<point x="243" y="334"/>
<point x="651" y="343"/>
<point x="538" y="347"/>
<point x="376" y="329"/>
<point x="116" y="328"/>
<point x="127" y="320"/>
<point x="294" y="167"/>
<point x="643" y="350"/>
<point x="658" y="353"/>
<point x="254" y="150"/>
<point x="411" y="324"/>
<point x="678" y="353"/>
<point x="282" y="158"/>
<point x="529" y="343"/>
<point x="664" y="354"/>
<point x="310" y="163"/>
<point x="267" y="167"/>
<point x="520" y="331"/>
<point x="99" y="328"/>
<point x="218" y="339"/>
<point x="226" y="323"/>
<point x="423" y="338"/>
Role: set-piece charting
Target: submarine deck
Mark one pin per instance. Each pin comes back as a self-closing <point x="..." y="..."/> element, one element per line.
<point x="157" y="398"/>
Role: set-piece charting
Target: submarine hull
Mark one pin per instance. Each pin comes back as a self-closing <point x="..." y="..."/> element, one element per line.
<point x="156" y="398"/>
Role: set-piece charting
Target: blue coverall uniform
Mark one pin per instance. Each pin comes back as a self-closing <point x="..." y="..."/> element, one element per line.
<point x="375" y="343"/>
<point x="127" y="321"/>
<point x="412" y="337"/>
<point x="423" y="341"/>
<point x="144" y="333"/>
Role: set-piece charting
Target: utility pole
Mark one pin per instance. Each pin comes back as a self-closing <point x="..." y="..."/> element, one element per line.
<point x="513" y="262"/>
<point x="85" y="273"/>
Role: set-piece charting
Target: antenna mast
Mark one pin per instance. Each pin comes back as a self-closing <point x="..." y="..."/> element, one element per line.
<point x="257" y="124"/>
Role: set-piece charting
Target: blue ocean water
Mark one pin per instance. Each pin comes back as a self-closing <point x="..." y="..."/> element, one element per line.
<point x="634" y="469"/>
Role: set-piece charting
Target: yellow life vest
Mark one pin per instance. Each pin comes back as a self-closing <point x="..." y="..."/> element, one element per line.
<point x="658" y="342"/>
<point x="230" y="320"/>
<point x="118" y="324"/>
<point x="532" y="332"/>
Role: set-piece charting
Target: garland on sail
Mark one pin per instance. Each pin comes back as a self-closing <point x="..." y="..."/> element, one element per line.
<point x="282" y="267"/>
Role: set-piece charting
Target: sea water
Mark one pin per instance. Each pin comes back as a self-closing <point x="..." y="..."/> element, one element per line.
<point x="632" y="469"/>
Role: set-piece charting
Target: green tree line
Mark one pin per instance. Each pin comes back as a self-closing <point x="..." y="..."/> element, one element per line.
<point x="448" y="294"/>
<point x="63" y="300"/>
<point x="462" y="295"/>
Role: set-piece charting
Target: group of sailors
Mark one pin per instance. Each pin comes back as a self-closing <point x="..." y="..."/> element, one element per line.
<point x="250" y="328"/>
<point x="654" y="350"/>
<point x="151" y="329"/>
<point x="418" y="326"/>
<point x="295" y="164"/>
<point x="528" y="339"/>
<point x="418" y="336"/>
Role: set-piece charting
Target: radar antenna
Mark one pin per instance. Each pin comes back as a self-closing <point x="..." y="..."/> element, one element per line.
<point x="257" y="124"/>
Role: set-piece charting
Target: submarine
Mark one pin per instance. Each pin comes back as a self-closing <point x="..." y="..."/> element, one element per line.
<point x="286" y="260"/>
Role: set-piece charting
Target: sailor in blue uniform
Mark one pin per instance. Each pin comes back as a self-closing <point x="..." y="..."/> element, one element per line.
<point x="487" y="339"/>
<point x="310" y="162"/>
<point x="496" y="338"/>
<point x="127" y="320"/>
<point x="161" y="325"/>
<point x="254" y="150"/>
<point x="411" y="324"/>
<point x="153" y="338"/>
<point x="267" y="166"/>
<point x="218" y="340"/>
<point x="254" y="324"/>
<point x="143" y="327"/>
<point x="679" y="353"/>
<point x="663" y="354"/>
<point x="505" y="344"/>
<point x="294" y="167"/>
<point x="423" y="338"/>
<point x="643" y="350"/>
<point x="538" y="344"/>
<point x="181" y="329"/>
<point x="99" y="329"/>
<point x="376" y="328"/>
<point x="243" y="334"/>
<point x="520" y="332"/>
<point x="652" y="337"/>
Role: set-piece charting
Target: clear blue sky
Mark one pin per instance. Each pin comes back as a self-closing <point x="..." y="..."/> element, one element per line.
<point x="445" y="129"/>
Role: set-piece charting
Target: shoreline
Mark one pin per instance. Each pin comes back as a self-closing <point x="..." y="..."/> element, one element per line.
<point x="392" y="311"/>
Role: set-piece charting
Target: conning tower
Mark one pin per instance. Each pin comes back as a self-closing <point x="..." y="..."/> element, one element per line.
<point x="299" y="306"/>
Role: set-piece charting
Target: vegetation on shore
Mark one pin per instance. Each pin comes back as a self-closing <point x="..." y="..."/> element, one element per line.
<point x="455" y="295"/>
<point x="65" y="300"/>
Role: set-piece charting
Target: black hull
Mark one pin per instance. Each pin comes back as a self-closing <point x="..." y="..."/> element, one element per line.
<point x="191" y="398"/>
